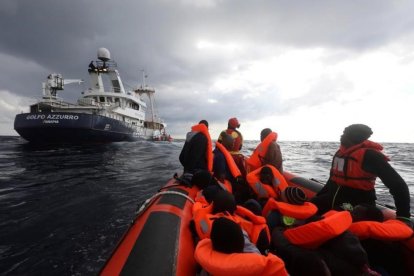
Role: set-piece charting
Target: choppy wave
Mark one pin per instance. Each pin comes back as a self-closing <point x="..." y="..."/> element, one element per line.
<point x="63" y="209"/>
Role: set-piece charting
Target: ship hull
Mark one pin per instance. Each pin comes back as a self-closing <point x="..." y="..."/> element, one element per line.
<point x="67" y="127"/>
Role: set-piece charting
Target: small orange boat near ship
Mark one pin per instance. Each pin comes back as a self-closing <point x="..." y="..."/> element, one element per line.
<point x="160" y="242"/>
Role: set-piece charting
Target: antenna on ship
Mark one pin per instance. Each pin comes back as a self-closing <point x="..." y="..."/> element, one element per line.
<point x="144" y="76"/>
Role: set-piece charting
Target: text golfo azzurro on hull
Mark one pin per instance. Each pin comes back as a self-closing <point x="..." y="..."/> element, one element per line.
<point x="52" y="118"/>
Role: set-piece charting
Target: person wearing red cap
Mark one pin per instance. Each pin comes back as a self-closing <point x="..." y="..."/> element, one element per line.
<point x="237" y="136"/>
<point x="355" y="168"/>
<point x="231" y="130"/>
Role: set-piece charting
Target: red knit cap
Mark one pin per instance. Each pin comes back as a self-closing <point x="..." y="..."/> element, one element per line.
<point x="234" y="123"/>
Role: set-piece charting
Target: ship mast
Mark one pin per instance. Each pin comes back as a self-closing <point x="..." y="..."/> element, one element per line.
<point x="144" y="89"/>
<point x="150" y="96"/>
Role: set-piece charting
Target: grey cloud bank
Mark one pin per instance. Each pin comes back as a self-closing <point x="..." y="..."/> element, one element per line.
<point x="200" y="56"/>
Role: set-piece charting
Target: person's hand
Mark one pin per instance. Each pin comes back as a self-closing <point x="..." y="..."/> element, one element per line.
<point x="407" y="221"/>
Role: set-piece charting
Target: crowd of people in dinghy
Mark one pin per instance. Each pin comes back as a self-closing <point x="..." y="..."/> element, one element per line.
<point x="248" y="221"/>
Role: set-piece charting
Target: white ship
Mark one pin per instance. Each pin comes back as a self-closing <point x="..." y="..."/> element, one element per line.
<point x="104" y="113"/>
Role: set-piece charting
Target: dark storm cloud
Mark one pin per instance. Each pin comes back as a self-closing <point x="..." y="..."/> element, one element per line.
<point x="44" y="36"/>
<point x="161" y="33"/>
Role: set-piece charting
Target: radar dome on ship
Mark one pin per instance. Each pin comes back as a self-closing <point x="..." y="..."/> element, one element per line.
<point x="104" y="54"/>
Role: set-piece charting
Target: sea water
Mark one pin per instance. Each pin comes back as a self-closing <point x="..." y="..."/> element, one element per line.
<point x="63" y="209"/>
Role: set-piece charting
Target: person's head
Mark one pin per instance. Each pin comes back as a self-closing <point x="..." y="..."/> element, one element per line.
<point x="355" y="134"/>
<point x="227" y="140"/>
<point x="233" y="123"/>
<point x="204" y="122"/>
<point x="254" y="206"/>
<point x="293" y="195"/>
<point x="264" y="133"/>
<point x="366" y="212"/>
<point x="202" y="179"/>
<point x="226" y="236"/>
<point x="210" y="192"/>
<point x="224" y="201"/>
<point x="266" y="175"/>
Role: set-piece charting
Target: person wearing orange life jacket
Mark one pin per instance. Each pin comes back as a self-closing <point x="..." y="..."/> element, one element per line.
<point x="267" y="152"/>
<point x="355" y="167"/>
<point x="232" y="126"/>
<point x="266" y="182"/>
<point x="298" y="261"/>
<point x="223" y="254"/>
<point x="291" y="209"/>
<point x="208" y="185"/>
<point x="196" y="153"/>
<point x="329" y="237"/>
<point x="227" y="172"/>
<point x="368" y="223"/>
<point x="257" y="235"/>
<point x="224" y="167"/>
<point x="237" y="145"/>
<point x="379" y="238"/>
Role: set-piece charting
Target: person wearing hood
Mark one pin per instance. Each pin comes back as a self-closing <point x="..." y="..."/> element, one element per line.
<point x="355" y="167"/>
<point x="197" y="152"/>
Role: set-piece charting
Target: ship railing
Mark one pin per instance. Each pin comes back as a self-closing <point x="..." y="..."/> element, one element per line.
<point x="56" y="103"/>
<point x="61" y="103"/>
<point x="109" y="64"/>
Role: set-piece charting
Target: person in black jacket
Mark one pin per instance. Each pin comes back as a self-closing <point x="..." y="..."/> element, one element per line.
<point x="193" y="156"/>
<point x="355" y="167"/>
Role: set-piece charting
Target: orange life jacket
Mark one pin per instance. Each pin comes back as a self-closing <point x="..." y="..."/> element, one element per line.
<point x="200" y="198"/>
<point x="252" y="224"/>
<point x="241" y="264"/>
<point x="234" y="170"/>
<point x="264" y="190"/>
<point x="249" y="222"/>
<point x="209" y="150"/>
<point x="347" y="169"/>
<point x="240" y="161"/>
<point x="389" y="230"/>
<point x="255" y="161"/>
<point x="313" y="234"/>
<point x="304" y="211"/>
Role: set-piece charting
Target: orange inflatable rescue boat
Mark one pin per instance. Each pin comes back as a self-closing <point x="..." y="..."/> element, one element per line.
<point x="159" y="241"/>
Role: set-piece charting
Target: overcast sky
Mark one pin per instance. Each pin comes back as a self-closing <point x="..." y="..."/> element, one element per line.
<point x="306" y="69"/>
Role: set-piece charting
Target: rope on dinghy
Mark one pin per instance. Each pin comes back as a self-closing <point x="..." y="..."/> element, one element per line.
<point x="147" y="202"/>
